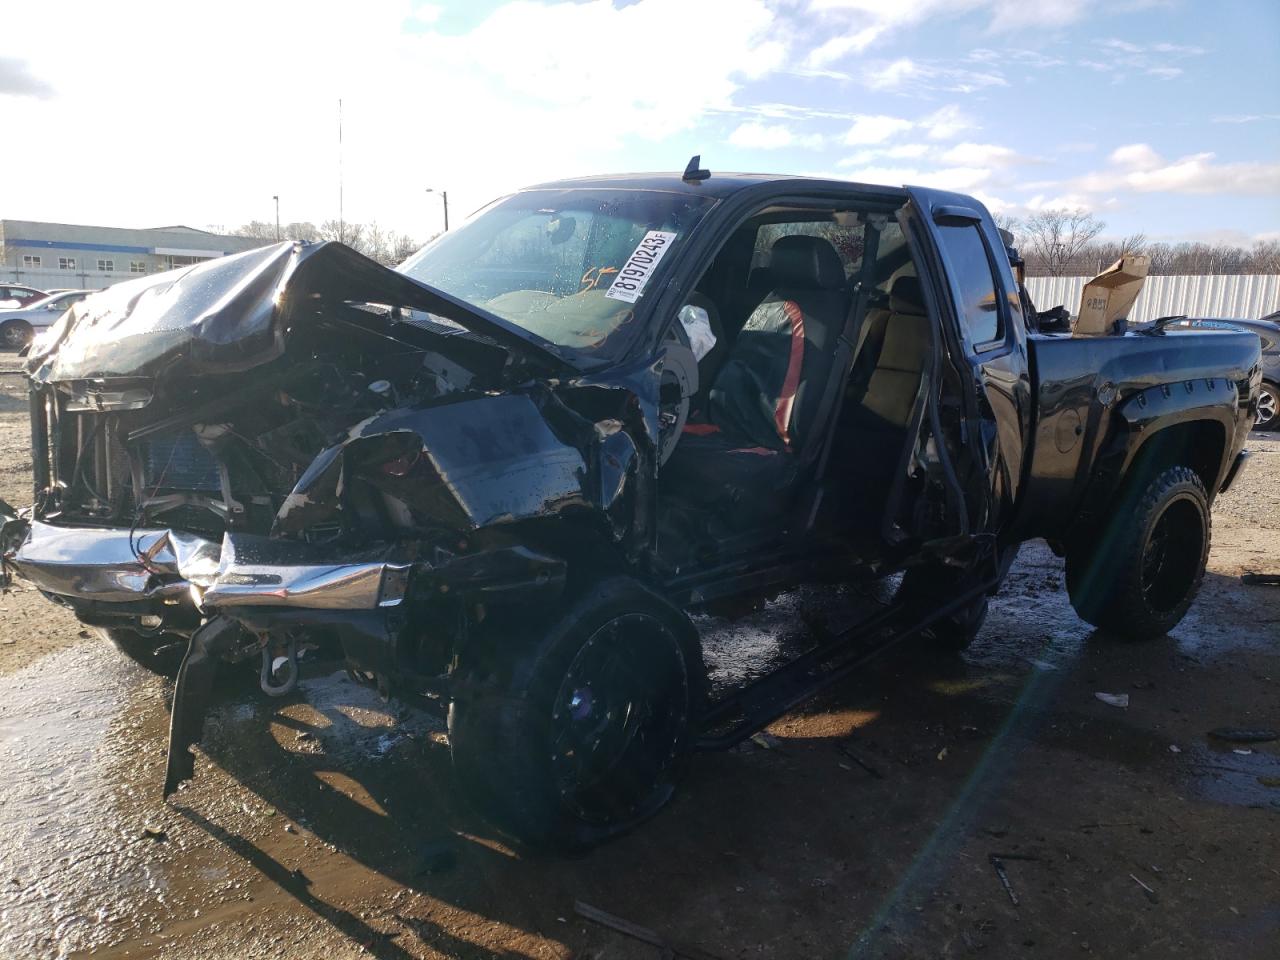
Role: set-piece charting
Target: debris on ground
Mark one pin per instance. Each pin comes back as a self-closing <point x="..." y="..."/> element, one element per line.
<point x="1113" y="699"/>
<point x="1174" y="748"/>
<point x="1147" y="891"/>
<point x="1261" y="579"/>
<point x="157" y="834"/>
<point x="847" y="749"/>
<point x="1244" y="734"/>
<point x="766" y="741"/>
<point x="637" y="932"/>
<point x="998" y="864"/>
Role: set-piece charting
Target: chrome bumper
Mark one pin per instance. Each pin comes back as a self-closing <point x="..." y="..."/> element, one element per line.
<point x="116" y="565"/>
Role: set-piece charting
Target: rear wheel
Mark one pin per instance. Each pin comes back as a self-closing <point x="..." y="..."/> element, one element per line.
<point x="15" y="334"/>
<point x="575" y="735"/>
<point x="1268" y="417"/>
<point x="1138" y="576"/>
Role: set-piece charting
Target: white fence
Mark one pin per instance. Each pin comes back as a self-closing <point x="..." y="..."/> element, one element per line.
<point x="1243" y="296"/>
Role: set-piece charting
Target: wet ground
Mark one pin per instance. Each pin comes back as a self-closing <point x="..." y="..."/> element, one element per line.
<point x="326" y="824"/>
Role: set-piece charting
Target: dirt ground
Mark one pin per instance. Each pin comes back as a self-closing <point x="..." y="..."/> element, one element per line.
<point x="326" y="824"/>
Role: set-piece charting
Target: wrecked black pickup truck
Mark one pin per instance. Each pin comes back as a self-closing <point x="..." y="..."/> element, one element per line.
<point x="500" y="477"/>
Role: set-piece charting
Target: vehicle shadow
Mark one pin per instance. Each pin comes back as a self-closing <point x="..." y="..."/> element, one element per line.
<point x="852" y="807"/>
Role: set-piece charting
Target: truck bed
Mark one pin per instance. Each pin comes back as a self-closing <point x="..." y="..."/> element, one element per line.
<point x="1093" y="394"/>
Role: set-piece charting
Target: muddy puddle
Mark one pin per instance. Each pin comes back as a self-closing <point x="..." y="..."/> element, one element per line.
<point x="67" y="870"/>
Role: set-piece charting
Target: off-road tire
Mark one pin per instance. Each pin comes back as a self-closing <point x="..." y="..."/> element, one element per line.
<point x="512" y="719"/>
<point x="930" y="585"/>
<point x="160" y="656"/>
<point x="1141" y="571"/>
<point x="15" y="334"/>
<point x="1271" y="394"/>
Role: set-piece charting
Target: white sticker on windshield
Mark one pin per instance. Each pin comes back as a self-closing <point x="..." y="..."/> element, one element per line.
<point x="635" y="273"/>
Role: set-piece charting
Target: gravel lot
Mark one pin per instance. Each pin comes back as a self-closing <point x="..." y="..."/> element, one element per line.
<point x="865" y="828"/>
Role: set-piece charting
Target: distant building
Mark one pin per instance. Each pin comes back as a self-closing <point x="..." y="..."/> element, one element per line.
<point x="53" y="255"/>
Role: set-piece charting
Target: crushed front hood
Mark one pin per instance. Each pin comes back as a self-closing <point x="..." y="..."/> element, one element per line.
<point x="235" y="312"/>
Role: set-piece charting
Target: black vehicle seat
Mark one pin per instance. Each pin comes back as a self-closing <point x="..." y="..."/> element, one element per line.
<point x="769" y="389"/>
<point x="764" y="401"/>
<point x="759" y="284"/>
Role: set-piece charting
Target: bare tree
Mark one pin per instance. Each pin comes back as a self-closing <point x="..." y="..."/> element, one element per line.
<point x="385" y="246"/>
<point x="258" y="230"/>
<point x="1055" y="239"/>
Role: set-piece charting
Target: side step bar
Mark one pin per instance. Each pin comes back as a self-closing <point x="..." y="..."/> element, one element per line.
<point x="730" y="721"/>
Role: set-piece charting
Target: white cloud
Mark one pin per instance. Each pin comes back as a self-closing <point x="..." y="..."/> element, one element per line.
<point x="1135" y="156"/>
<point x="982" y="155"/>
<point x="942" y="124"/>
<point x="905" y="75"/>
<point x="535" y="90"/>
<point x="907" y="151"/>
<point x="1139" y="168"/>
<point x="772" y="136"/>
<point x="947" y="122"/>
<point x="964" y="179"/>
<point x="902" y="151"/>
<point x="1246" y="117"/>
<point x="427" y="13"/>
<point x="839" y="47"/>
<point x="875" y="129"/>
<point x="1017" y="14"/>
<point x="891" y="76"/>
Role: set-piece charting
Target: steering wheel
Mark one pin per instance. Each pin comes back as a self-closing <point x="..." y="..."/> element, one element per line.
<point x="676" y="389"/>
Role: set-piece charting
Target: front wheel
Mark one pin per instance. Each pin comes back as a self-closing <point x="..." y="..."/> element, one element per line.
<point x="1140" y="574"/>
<point x="1268" y="416"/>
<point x="15" y="334"/>
<point x="160" y="655"/>
<point x="572" y="736"/>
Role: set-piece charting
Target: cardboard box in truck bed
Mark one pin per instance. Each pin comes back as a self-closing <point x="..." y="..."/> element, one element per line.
<point x="1110" y="295"/>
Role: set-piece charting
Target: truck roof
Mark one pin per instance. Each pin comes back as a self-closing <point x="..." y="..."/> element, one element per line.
<point x="718" y="185"/>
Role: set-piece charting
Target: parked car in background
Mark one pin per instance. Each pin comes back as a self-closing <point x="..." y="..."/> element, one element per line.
<point x="17" y="327"/>
<point x="17" y="295"/>
<point x="1268" y="331"/>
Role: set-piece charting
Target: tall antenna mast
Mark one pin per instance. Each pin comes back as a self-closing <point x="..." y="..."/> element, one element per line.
<point x="341" y="222"/>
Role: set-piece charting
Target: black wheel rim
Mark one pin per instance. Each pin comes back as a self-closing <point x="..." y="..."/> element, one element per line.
<point x="618" y="720"/>
<point x="1171" y="557"/>
<point x="14" y="336"/>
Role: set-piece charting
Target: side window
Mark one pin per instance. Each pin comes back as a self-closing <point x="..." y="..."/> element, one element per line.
<point x="971" y="269"/>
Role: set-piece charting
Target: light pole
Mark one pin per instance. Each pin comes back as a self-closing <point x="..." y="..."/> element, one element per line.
<point x="276" y="198"/>
<point x="444" y="195"/>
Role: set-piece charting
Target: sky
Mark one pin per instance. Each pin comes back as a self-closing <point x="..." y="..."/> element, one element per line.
<point x="1159" y="116"/>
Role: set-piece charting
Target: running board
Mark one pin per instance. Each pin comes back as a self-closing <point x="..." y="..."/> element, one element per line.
<point x="764" y="700"/>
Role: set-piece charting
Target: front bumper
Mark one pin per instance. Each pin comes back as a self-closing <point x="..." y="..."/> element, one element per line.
<point x="164" y="568"/>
